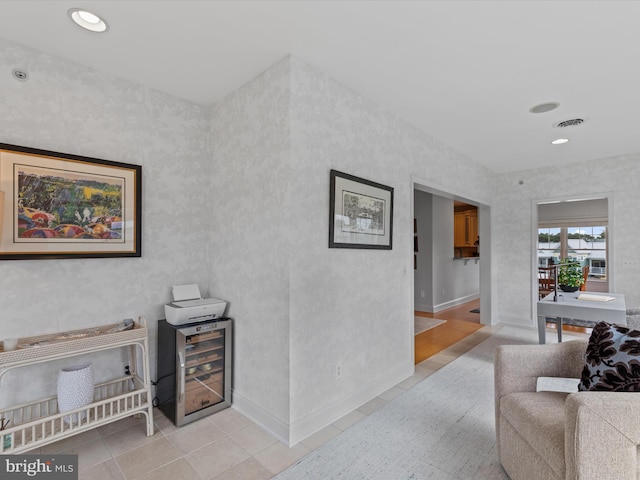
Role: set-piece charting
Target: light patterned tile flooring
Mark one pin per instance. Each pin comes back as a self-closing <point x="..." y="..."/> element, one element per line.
<point x="222" y="446"/>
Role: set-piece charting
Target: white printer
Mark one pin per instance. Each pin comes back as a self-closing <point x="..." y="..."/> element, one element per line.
<point x="188" y="306"/>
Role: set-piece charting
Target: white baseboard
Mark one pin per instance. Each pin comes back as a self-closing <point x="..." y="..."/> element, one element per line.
<point x="423" y="307"/>
<point x="307" y="426"/>
<point x="517" y="321"/>
<point x="277" y="427"/>
<point x="300" y="429"/>
<point x="454" y="302"/>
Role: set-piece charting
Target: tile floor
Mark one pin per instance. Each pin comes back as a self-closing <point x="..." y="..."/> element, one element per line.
<point x="223" y="446"/>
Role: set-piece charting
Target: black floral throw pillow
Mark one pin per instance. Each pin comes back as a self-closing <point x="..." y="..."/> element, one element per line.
<point x="612" y="360"/>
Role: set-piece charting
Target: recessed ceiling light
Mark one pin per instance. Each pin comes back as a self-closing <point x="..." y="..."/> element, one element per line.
<point x="87" y="20"/>
<point x="544" y="107"/>
<point x="559" y="141"/>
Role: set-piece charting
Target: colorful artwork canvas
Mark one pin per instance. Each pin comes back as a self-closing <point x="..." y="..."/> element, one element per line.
<point x="68" y="206"/>
<point x="65" y="206"/>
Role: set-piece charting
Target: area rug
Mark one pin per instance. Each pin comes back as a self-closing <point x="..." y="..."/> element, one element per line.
<point x="440" y="429"/>
<point x="422" y="324"/>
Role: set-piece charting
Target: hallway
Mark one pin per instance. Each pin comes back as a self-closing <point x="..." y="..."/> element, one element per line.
<point x="460" y="323"/>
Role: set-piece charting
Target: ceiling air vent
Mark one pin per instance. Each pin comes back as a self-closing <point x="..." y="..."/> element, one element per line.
<point x="574" y="122"/>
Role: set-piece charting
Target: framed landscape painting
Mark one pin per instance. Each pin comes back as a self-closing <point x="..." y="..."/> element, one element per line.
<point x="360" y="213"/>
<point x="67" y="206"/>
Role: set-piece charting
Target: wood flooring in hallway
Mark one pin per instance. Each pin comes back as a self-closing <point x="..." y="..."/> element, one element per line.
<point x="460" y="323"/>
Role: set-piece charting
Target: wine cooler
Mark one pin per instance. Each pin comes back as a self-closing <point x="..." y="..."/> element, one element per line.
<point x="194" y="369"/>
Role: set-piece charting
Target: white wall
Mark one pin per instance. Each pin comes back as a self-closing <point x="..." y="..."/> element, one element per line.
<point x="72" y="109"/>
<point x="454" y="281"/>
<point x="514" y="236"/>
<point x="302" y="308"/>
<point x="423" y="275"/>
<point x="348" y="307"/>
<point x="250" y="249"/>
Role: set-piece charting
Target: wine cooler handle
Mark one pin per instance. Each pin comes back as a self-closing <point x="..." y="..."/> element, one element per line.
<point x="181" y="378"/>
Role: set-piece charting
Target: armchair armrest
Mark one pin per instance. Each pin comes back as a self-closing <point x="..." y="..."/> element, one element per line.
<point x="602" y="435"/>
<point x="517" y="367"/>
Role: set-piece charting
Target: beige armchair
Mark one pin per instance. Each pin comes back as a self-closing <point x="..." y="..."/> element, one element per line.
<point x="633" y="318"/>
<point x="552" y="435"/>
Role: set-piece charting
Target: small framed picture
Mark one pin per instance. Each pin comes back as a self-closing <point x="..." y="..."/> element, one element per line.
<point x="360" y="213"/>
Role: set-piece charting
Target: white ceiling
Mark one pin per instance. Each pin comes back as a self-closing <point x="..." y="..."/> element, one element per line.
<point x="465" y="72"/>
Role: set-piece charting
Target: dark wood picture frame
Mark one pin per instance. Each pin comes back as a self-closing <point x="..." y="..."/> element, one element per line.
<point x="360" y="213"/>
<point x="59" y="205"/>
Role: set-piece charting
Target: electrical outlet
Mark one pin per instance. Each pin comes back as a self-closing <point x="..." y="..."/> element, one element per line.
<point x="422" y="294"/>
<point x="127" y="371"/>
<point x="338" y="370"/>
<point x="443" y="292"/>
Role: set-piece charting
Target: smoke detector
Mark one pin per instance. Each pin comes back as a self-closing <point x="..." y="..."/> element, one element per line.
<point x="544" y="107"/>
<point x="20" y="74"/>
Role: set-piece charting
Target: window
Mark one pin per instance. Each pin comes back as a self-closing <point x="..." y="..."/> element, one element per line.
<point x="548" y="246"/>
<point x="577" y="229"/>
<point x="586" y="244"/>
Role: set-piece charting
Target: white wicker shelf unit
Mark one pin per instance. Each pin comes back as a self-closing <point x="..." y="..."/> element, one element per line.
<point x="39" y="423"/>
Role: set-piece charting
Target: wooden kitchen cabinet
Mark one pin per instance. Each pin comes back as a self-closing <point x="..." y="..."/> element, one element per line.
<point x="465" y="232"/>
<point x="458" y="229"/>
<point x="473" y="227"/>
<point x="465" y="228"/>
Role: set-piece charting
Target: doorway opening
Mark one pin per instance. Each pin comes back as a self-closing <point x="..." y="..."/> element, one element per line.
<point x="450" y="264"/>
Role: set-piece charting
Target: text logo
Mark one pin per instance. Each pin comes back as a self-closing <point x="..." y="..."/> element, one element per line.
<point x="58" y="467"/>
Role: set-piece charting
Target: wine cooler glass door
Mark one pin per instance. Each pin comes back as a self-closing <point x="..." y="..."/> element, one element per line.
<point x="201" y="370"/>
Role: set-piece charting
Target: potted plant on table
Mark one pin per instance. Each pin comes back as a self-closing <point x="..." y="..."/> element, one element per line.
<point x="570" y="275"/>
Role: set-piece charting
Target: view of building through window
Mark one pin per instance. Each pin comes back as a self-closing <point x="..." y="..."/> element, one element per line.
<point x="587" y="245"/>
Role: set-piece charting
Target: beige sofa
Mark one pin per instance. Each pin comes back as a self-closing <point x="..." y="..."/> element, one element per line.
<point x="551" y="435"/>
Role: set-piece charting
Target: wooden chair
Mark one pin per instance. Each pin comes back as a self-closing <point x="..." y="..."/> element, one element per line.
<point x="546" y="281"/>
<point x="585" y="274"/>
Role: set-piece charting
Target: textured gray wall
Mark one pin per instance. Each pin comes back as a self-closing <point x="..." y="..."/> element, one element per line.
<point x="69" y="108"/>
